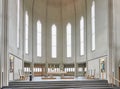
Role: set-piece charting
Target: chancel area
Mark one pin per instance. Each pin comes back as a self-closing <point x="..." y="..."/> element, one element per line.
<point x="59" y="44"/>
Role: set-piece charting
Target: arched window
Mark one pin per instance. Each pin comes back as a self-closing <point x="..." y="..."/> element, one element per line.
<point x="82" y="36"/>
<point x="54" y="41"/>
<point x="68" y="33"/>
<point x="26" y="31"/>
<point x="93" y="24"/>
<point x="39" y="39"/>
<point x="18" y="22"/>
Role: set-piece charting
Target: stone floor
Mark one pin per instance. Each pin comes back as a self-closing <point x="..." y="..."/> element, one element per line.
<point x="57" y="78"/>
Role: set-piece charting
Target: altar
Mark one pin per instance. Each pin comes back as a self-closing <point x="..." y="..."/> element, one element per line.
<point x="52" y="73"/>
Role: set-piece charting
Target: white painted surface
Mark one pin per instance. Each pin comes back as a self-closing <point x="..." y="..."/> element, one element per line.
<point x="10" y="76"/>
<point x="94" y="68"/>
<point x="17" y="67"/>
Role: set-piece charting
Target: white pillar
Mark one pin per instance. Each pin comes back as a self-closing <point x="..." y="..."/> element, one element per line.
<point x="0" y="42"/>
<point x="3" y="44"/>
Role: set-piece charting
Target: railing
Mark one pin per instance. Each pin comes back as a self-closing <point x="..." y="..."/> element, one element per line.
<point x="113" y="80"/>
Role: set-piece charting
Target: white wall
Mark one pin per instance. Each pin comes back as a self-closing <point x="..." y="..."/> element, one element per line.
<point x="101" y="33"/>
<point x="40" y="14"/>
<point x="48" y="15"/>
<point x="11" y="76"/>
<point x="101" y="29"/>
<point x="12" y="28"/>
<point x="94" y="68"/>
<point x="17" y="67"/>
<point x="28" y="8"/>
<point x="69" y="16"/>
<point x="116" y="37"/>
<point x="80" y="11"/>
<point x="60" y="14"/>
<point x="43" y="11"/>
<point x="12" y="36"/>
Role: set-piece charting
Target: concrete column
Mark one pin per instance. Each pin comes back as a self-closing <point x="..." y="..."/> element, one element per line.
<point x="3" y="45"/>
<point x="110" y="39"/>
<point x="83" y="70"/>
<point x="22" y="5"/>
<point x="32" y="64"/>
<point x="32" y="68"/>
<point x="0" y="42"/>
<point x="116" y="36"/>
<point x="46" y="69"/>
<point x="76" y="70"/>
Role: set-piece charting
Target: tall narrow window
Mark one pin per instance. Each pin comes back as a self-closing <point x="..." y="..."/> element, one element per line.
<point x="93" y="24"/>
<point x="39" y="39"/>
<point x="18" y="22"/>
<point x="26" y="31"/>
<point x="54" y="41"/>
<point x="82" y="36"/>
<point x="68" y="31"/>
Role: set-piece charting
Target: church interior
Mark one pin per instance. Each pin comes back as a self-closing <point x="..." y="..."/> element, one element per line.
<point x="59" y="44"/>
